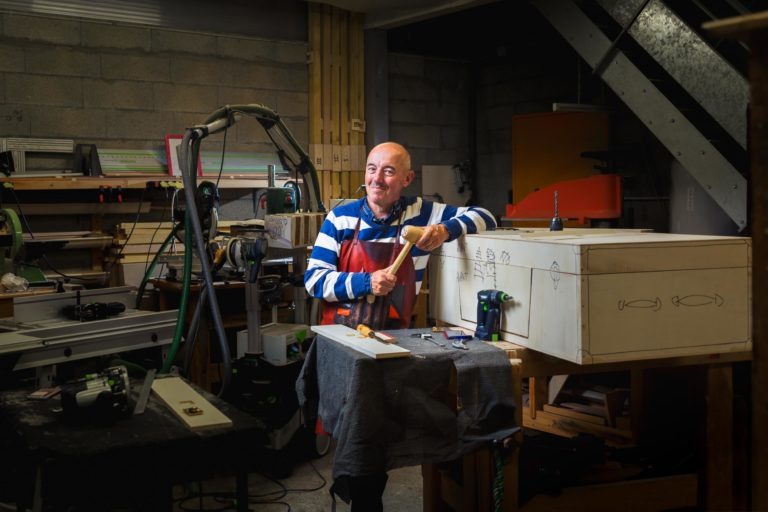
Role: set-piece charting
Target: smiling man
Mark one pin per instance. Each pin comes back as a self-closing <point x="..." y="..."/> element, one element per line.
<point x="349" y="264"/>
<point x="358" y="242"/>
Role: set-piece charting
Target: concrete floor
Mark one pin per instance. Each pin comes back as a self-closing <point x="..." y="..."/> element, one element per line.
<point x="307" y="487"/>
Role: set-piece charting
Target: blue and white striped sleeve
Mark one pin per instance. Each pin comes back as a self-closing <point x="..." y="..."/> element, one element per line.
<point x="322" y="278"/>
<point x="462" y="220"/>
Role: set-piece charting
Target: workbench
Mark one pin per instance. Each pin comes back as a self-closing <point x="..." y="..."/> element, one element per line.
<point x="715" y="486"/>
<point x="131" y="462"/>
<point x="403" y="411"/>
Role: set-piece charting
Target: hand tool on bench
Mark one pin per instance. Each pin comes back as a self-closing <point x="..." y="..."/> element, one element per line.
<point x="370" y="333"/>
<point x="411" y="235"/>
<point x="427" y="336"/>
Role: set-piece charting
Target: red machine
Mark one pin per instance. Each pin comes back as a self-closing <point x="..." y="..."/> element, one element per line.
<point x="596" y="197"/>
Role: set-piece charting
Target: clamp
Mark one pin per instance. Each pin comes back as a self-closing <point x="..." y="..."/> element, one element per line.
<point x="459" y="344"/>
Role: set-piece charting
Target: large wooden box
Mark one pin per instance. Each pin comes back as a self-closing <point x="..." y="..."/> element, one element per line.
<point x="592" y="296"/>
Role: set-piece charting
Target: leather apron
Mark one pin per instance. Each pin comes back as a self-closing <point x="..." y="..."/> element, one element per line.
<point x="391" y="311"/>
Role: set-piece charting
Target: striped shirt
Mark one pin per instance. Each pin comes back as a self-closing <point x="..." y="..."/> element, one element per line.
<point x="323" y="279"/>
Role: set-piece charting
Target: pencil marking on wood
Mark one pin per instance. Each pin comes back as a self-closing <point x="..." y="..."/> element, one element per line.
<point x="652" y="304"/>
<point x="698" y="300"/>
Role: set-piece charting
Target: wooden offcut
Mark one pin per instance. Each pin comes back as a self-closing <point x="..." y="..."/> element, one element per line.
<point x="354" y="340"/>
<point x="188" y="405"/>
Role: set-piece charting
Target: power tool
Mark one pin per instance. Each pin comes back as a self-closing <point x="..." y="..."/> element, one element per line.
<point x="101" y="395"/>
<point x="92" y="310"/>
<point x="489" y="313"/>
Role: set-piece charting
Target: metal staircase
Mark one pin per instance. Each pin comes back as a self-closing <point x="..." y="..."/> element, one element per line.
<point x="686" y="93"/>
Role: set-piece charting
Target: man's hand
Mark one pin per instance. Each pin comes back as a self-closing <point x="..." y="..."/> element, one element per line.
<point x="433" y="237"/>
<point x="382" y="282"/>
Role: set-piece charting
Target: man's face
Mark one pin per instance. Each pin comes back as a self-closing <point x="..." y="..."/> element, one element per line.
<point x="386" y="175"/>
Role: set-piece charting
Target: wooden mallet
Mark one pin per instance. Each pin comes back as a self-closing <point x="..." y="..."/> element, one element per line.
<point x="411" y="235"/>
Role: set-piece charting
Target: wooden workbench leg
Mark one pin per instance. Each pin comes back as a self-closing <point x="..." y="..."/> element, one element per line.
<point x="538" y="394"/>
<point x="637" y="403"/>
<point x="511" y="473"/>
<point x="719" y="438"/>
<point x="484" y="475"/>
<point x="431" y="501"/>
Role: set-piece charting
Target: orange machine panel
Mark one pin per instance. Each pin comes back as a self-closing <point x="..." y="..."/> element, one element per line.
<point x="546" y="149"/>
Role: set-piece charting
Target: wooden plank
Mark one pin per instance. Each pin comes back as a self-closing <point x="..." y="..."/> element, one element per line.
<point x="188" y="405"/>
<point x="719" y="479"/>
<point x="335" y="79"/>
<point x="354" y="340"/>
<point x="335" y="184"/>
<point x="328" y="156"/>
<point x="758" y="73"/>
<point x="358" y="55"/>
<point x="145" y="249"/>
<point x="345" y="185"/>
<point x="93" y="208"/>
<point x="315" y="79"/>
<point x="556" y="384"/>
<point x="336" y="157"/>
<point x="327" y="69"/>
<point x="343" y="62"/>
<point x="355" y="72"/>
<point x="359" y="179"/>
<point x="568" y="427"/>
<point x="537" y="389"/>
<point x="665" y="493"/>
<point x="346" y="159"/>
<point x="327" y="188"/>
<point x="570" y="413"/>
<point x="737" y="25"/>
<point x="538" y="364"/>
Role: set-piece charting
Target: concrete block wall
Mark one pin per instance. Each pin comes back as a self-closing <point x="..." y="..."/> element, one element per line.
<point x="428" y="110"/>
<point x="127" y="86"/>
<point x="120" y="85"/>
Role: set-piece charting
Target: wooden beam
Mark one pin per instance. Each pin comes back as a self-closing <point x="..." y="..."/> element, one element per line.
<point x="648" y="494"/>
<point x="758" y="76"/>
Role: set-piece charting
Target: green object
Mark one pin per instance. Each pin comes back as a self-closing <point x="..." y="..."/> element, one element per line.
<point x="281" y="200"/>
<point x="13" y="247"/>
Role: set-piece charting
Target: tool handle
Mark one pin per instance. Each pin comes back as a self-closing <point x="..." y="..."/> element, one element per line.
<point x="398" y="261"/>
<point x="365" y="330"/>
<point x="400" y="257"/>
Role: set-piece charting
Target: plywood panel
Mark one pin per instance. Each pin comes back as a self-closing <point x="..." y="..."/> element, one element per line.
<point x="643" y="304"/>
<point x="661" y="310"/>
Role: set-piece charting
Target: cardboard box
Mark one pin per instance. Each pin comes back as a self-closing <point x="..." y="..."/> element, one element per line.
<point x="291" y="230"/>
<point x="593" y="296"/>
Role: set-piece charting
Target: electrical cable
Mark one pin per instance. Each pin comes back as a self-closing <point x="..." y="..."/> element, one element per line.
<point x="183" y="300"/>
<point x="151" y="269"/>
<point x="191" y="336"/>
<point x="154" y="233"/>
<point x="189" y="153"/>
<point x="254" y="499"/>
<point x="223" y="152"/>
<point x="133" y="227"/>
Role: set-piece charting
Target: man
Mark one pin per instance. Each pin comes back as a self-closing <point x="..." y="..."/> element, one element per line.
<point x="349" y="266"/>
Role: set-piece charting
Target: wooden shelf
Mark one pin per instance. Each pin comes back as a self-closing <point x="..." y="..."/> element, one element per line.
<point x="75" y="182"/>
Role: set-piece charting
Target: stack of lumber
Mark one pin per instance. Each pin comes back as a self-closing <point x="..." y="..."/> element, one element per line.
<point x="568" y="411"/>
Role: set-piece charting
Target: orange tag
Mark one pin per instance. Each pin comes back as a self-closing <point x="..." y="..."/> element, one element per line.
<point x="342" y="312"/>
